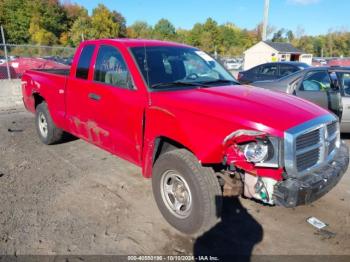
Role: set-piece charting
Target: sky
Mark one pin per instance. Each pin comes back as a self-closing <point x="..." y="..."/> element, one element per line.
<point x="314" y="16"/>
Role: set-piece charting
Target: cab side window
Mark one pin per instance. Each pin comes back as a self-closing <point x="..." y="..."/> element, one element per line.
<point x="287" y="70"/>
<point x="84" y="62"/>
<point x="316" y="81"/>
<point x="268" y="70"/>
<point x="111" y="69"/>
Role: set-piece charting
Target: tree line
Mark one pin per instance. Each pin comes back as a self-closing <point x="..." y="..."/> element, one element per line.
<point x="52" y="22"/>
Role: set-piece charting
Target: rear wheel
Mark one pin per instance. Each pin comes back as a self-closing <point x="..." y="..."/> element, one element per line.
<point x="187" y="194"/>
<point x="46" y="129"/>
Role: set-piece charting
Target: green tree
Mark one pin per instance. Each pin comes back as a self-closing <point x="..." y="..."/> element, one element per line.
<point x="81" y="29"/>
<point x="49" y="15"/>
<point x="290" y="36"/>
<point x="73" y="12"/>
<point x="164" y="30"/>
<point x="120" y="20"/>
<point x="139" y="29"/>
<point x="40" y="35"/>
<point x="182" y="35"/>
<point x="229" y="39"/>
<point x="279" y="36"/>
<point x="103" y="24"/>
<point x="210" y="36"/>
<point x="194" y="35"/>
<point x="15" y="17"/>
<point x="306" y="44"/>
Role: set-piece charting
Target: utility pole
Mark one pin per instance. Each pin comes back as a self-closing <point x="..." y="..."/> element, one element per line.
<point x="5" y="50"/>
<point x="265" y="21"/>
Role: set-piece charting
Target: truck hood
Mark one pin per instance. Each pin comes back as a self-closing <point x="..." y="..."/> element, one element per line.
<point x="244" y="106"/>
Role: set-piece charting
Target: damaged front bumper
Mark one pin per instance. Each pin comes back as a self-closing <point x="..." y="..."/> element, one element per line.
<point x="310" y="187"/>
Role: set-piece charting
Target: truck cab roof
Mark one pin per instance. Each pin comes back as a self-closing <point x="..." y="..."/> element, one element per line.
<point x="130" y="42"/>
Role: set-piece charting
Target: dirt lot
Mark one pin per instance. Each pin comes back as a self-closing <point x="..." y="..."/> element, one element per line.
<point x="74" y="198"/>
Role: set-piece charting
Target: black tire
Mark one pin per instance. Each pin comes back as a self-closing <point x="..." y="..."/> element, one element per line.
<point x="53" y="134"/>
<point x="204" y="186"/>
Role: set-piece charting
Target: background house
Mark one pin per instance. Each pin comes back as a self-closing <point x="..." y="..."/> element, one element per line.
<point x="267" y="51"/>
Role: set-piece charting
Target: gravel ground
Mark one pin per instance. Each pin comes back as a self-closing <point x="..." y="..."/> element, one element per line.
<point x="73" y="198"/>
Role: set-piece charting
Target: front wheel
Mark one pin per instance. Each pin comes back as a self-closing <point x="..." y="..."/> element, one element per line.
<point x="187" y="194"/>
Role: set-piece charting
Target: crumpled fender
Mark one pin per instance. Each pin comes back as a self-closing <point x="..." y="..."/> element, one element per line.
<point x="234" y="157"/>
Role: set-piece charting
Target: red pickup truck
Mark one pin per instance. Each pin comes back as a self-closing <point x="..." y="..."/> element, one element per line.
<point x="199" y="134"/>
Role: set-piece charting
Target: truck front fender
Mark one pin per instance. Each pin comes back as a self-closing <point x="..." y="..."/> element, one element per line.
<point x="154" y="133"/>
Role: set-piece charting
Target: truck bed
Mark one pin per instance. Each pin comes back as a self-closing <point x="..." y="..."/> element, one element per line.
<point x="49" y="83"/>
<point x="63" y="72"/>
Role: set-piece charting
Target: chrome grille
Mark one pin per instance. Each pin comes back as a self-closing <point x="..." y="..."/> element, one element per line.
<point x="332" y="128"/>
<point x="307" y="147"/>
<point x="308" y="139"/>
<point x="311" y="145"/>
<point x="308" y="159"/>
<point x="332" y="146"/>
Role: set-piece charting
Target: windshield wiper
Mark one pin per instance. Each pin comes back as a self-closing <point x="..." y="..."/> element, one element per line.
<point x="218" y="81"/>
<point x="177" y="83"/>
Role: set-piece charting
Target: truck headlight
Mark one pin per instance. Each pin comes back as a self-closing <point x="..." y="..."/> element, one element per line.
<point x="257" y="147"/>
<point x="256" y="151"/>
<point x="263" y="152"/>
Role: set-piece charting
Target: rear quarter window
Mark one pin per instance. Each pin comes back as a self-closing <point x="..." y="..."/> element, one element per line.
<point x="84" y="62"/>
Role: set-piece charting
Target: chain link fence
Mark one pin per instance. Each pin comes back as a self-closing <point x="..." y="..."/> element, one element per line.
<point x="16" y="59"/>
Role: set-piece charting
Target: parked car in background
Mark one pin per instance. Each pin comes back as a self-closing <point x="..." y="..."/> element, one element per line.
<point x="270" y="71"/>
<point x="329" y="87"/>
<point x="4" y="73"/>
<point x="61" y="60"/>
<point x="2" y="60"/>
<point x="339" y="62"/>
<point x="233" y="64"/>
<point x="20" y="65"/>
<point x="316" y="61"/>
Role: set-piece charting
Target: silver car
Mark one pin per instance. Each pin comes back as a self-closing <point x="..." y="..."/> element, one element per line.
<point x="329" y="87"/>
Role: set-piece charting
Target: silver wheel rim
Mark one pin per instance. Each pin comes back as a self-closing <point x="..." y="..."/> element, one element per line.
<point x="42" y="124"/>
<point x="176" y="194"/>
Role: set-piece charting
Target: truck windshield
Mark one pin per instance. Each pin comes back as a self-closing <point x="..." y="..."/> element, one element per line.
<point x="176" y="67"/>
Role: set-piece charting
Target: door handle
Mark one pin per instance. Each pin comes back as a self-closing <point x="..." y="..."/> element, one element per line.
<point x="95" y="97"/>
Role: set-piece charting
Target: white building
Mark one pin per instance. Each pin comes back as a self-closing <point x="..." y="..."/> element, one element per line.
<point x="267" y="51"/>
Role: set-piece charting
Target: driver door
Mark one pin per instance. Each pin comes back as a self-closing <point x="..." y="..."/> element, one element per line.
<point x="116" y="106"/>
<point x="317" y="87"/>
<point x="344" y="84"/>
